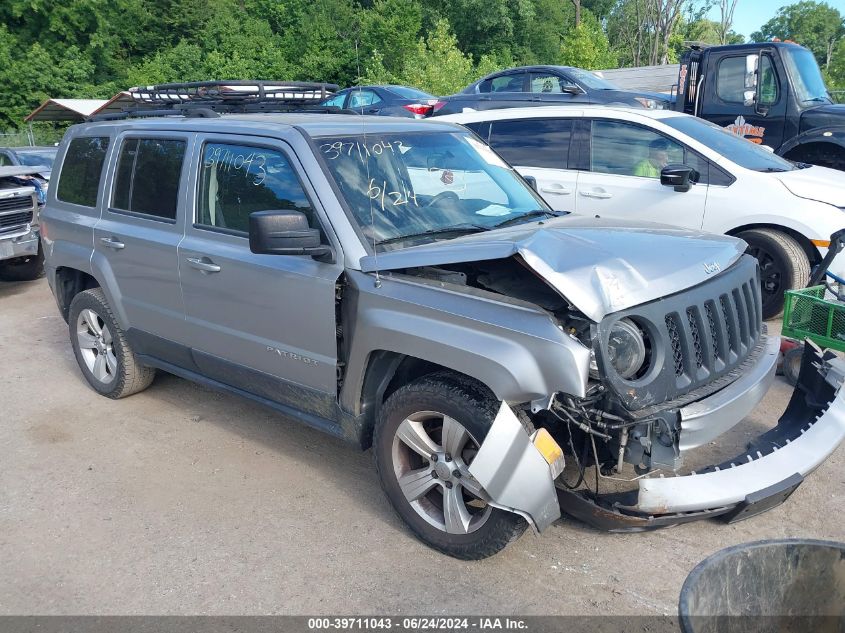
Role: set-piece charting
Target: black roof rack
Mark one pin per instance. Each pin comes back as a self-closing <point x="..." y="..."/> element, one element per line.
<point x="212" y="98"/>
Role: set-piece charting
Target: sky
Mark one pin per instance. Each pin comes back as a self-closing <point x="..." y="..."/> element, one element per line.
<point x="750" y="15"/>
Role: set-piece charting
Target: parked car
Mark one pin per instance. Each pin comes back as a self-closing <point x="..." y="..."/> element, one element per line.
<point x="664" y="166"/>
<point x="29" y="157"/>
<point x="395" y="283"/>
<point x="21" y="258"/>
<point x="385" y="101"/>
<point x="544" y="85"/>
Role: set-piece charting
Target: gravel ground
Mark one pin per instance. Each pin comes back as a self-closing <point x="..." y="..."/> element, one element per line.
<point x="180" y="500"/>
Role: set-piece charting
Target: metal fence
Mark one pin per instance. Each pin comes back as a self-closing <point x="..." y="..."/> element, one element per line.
<point x="38" y="134"/>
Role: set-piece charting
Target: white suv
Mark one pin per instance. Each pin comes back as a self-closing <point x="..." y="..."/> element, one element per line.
<point x="624" y="163"/>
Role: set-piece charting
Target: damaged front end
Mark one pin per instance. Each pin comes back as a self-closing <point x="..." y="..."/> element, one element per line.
<point x="762" y="477"/>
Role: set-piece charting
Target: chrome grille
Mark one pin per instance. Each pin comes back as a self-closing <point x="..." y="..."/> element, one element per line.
<point x="18" y="202"/>
<point x="9" y="220"/>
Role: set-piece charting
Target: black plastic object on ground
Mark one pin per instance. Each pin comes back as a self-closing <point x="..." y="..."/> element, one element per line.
<point x="793" y="585"/>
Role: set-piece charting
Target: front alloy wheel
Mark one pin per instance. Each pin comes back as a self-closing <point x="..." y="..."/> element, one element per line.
<point x="431" y="457"/>
<point x="427" y="434"/>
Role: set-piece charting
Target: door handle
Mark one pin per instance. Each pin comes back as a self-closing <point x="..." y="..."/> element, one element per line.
<point x="112" y="242"/>
<point x="600" y="195"/>
<point x="204" y="264"/>
<point x="556" y="188"/>
<point x="372" y="110"/>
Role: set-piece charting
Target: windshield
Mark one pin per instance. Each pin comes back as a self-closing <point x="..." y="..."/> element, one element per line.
<point x="586" y="78"/>
<point x="805" y="76"/>
<point x="735" y="148"/>
<point x="410" y="188"/>
<point x="409" y="93"/>
<point x="36" y="159"/>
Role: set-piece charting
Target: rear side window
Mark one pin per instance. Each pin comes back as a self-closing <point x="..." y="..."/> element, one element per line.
<point x="508" y="83"/>
<point x="236" y="180"/>
<point x="81" y="170"/>
<point x="533" y="142"/>
<point x="147" y="177"/>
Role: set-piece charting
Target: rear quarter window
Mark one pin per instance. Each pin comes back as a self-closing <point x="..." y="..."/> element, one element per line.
<point x="82" y="169"/>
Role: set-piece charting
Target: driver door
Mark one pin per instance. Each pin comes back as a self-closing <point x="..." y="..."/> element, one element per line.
<point x="261" y="323"/>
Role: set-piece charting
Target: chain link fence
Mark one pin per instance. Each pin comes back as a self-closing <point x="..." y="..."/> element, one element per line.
<point x="37" y="134"/>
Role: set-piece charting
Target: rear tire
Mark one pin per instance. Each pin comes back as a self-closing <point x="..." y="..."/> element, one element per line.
<point x="26" y="268"/>
<point x="438" y="505"/>
<point x="101" y="349"/>
<point x="792" y="364"/>
<point x="783" y="266"/>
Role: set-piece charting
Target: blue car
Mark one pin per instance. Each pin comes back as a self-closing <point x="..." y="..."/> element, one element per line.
<point x="385" y="101"/>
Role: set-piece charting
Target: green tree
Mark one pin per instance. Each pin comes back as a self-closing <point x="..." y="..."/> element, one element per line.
<point x="815" y="25"/>
<point x="586" y="45"/>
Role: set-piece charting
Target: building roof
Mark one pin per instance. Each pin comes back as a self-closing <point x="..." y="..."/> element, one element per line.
<point x="65" y="110"/>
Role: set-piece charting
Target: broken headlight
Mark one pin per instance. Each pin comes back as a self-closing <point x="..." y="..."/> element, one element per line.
<point x="626" y="348"/>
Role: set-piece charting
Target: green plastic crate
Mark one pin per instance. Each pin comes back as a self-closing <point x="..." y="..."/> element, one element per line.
<point x="807" y="314"/>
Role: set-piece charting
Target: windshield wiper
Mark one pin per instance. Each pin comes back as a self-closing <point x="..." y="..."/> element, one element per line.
<point x="455" y="228"/>
<point x="529" y="214"/>
<point x="771" y="170"/>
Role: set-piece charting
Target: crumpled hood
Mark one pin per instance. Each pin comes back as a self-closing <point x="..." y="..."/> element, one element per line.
<point x="600" y="266"/>
<point x="816" y="183"/>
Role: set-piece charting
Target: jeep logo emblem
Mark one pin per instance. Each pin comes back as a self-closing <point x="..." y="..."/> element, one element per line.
<point x="712" y="267"/>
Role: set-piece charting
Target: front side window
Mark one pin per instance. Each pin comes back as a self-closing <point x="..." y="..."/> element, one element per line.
<point x="410" y="188"/>
<point x="237" y="180"/>
<point x="81" y="170"/>
<point x="768" y="82"/>
<point x="546" y="83"/>
<point x="148" y="175"/>
<point x="628" y="150"/>
<point x="533" y="142"/>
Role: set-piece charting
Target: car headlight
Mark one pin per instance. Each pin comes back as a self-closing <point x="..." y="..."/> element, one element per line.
<point x="626" y="349"/>
<point x="652" y="104"/>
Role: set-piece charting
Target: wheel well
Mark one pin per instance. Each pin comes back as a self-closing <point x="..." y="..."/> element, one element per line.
<point x="818" y="153"/>
<point x="386" y="372"/>
<point x="804" y="242"/>
<point x="69" y="283"/>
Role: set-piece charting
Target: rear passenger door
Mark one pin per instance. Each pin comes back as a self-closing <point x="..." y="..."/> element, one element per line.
<point x="539" y="148"/>
<point x="262" y="323"/>
<point x="140" y="228"/>
<point x="623" y="180"/>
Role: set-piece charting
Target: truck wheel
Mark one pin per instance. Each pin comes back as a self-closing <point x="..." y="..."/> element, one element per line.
<point x="792" y="364"/>
<point x="23" y="268"/>
<point x="783" y="266"/>
<point x="104" y="356"/>
<point x="426" y="436"/>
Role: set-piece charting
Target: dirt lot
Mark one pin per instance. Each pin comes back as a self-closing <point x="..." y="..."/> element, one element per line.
<point x="180" y="500"/>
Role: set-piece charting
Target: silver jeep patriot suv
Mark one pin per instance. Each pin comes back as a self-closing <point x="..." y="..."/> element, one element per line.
<point x="395" y="283"/>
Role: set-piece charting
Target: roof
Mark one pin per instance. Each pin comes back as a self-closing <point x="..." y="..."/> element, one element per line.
<point x="313" y="124"/>
<point x="65" y="110"/>
<point x="571" y="111"/>
<point x="652" y="78"/>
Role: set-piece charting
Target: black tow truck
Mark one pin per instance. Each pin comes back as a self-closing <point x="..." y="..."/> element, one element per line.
<point x="770" y="93"/>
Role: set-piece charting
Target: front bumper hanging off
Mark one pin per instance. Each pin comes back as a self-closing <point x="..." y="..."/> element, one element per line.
<point x="762" y="477"/>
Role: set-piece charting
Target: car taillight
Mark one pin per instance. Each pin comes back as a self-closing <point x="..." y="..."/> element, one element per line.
<point x="419" y="109"/>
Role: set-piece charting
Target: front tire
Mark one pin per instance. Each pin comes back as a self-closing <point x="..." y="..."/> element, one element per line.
<point x="101" y="349"/>
<point x="426" y="436"/>
<point x="783" y="266"/>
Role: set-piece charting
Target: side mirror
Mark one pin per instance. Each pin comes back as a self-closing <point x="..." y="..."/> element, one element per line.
<point x="284" y="233"/>
<point x="678" y="176"/>
<point x="532" y="182"/>
<point x="571" y="89"/>
<point x="751" y="71"/>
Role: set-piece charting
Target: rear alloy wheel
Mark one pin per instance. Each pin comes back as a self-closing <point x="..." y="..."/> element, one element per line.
<point x="783" y="266"/>
<point x="102" y="351"/>
<point x="426" y="437"/>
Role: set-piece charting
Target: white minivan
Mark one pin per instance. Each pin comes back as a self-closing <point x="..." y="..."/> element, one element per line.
<point x="617" y="162"/>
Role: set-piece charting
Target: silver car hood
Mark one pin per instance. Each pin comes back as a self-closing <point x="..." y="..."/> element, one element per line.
<point x="600" y="266"/>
